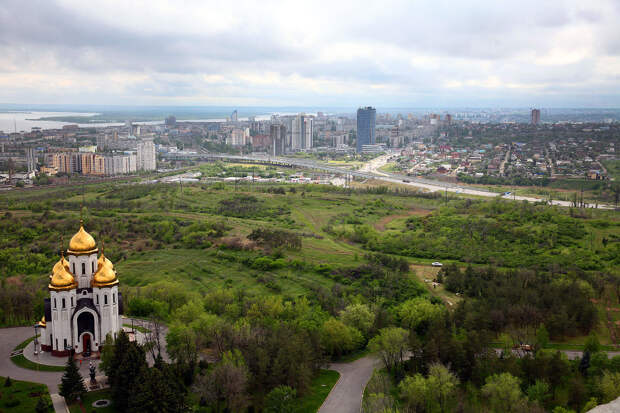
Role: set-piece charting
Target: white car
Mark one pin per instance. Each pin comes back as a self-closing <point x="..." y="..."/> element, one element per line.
<point x="437" y="264"/>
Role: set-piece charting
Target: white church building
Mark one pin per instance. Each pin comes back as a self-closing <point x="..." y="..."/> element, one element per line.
<point x="84" y="304"/>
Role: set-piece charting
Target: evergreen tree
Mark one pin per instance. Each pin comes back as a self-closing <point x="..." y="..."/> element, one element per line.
<point x="42" y="406"/>
<point x="128" y="375"/>
<point x="584" y="364"/>
<point x="161" y="391"/>
<point x="72" y="384"/>
<point x="114" y="354"/>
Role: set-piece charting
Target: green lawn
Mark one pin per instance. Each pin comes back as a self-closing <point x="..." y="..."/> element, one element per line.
<point x="89" y="399"/>
<point x="320" y="388"/>
<point x="23" y="362"/>
<point x="22" y="396"/>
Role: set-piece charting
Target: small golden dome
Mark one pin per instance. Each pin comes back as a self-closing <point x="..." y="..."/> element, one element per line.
<point x="105" y="276"/>
<point x="42" y="322"/>
<point x="61" y="278"/>
<point x="82" y="243"/>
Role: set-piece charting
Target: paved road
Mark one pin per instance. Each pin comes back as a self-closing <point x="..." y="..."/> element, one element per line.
<point x="346" y="396"/>
<point x="424" y="183"/>
<point x="11" y="337"/>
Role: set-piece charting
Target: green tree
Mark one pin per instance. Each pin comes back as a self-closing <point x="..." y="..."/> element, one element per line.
<point x="162" y="391"/>
<point x="591" y="404"/>
<point x="542" y="337"/>
<point x="280" y="400"/>
<point x="418" y="313"/>
<point x="610" y="386"/>
<point x="392" y="344"/>
<point x="227" y="383"/>
<point x="338" y="338"/>
<point x="414" y="391"/>
<point x="129" y="376"/>
<point x="539" y="392"/>
<point x="358" y="316"/>
<point x="503" y="393"/>
<point x="443" y="385"/>
<point x="592" y="344"/>
<point x="72" y="384"/>
<point x="436" y="393"/>
<point x="42" y="406"/>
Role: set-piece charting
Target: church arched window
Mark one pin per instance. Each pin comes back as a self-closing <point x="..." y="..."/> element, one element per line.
<point x="97" y="299"/>
<point x="71" y="301"/>
<point x="63" y="303"/>
<point x="105" y="299"/>
<point x="113" y="298"/>
<point x="73" y="266"/>
<point x="92" y="267"/>
<point x="55" y="303"/>
<point x="83" y="268"/>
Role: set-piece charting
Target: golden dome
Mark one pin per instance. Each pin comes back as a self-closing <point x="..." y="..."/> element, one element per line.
<point x="42" y="322"/>
<point x="61" y="278"/>
<point x="105" y="276"/>
<point x="82" y="243"/>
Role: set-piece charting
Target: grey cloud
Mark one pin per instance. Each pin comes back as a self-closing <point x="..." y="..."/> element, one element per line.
<point x="473" y="41"/>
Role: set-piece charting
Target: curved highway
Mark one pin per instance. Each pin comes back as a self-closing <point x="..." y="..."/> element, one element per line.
<point x="372" y="173"/>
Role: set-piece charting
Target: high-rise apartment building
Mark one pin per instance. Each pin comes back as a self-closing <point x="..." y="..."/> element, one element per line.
<point x="277" y="133"/>
<point x="535" y="116"/>
<point x="146" y="159"/>
<point x="366" y="121"/>
<point x="302" y="132"/>
<point x="236" y="137"/>
<point x="234" y="117"/>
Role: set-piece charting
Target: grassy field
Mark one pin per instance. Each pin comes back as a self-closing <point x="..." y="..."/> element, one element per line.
<point x="148" y="232"/>
<point x="319" y="389"/>
<point x="89" y="399"/>
<point x="613" y="168"/>
<point x="22" y="396"/>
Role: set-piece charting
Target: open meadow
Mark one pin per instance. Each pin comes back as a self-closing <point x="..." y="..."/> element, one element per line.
<point x="244" y="271"/>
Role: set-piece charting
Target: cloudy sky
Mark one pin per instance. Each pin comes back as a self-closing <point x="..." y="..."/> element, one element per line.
<point x="410" y="53"/>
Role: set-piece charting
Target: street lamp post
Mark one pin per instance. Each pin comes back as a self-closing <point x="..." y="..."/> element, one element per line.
<point x="36" y="341"/>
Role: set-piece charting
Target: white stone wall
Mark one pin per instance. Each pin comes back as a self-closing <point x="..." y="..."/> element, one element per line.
<point x="106" y="301"/>
<point x="60" y="324"/>
<point x="90" y="266"/>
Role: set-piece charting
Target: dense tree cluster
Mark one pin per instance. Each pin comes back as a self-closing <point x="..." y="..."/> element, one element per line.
<point x="523" y="299"/>
<point x="275" y="238"/>
<point x="501" y="233"/>
<point x="135" y="386"/>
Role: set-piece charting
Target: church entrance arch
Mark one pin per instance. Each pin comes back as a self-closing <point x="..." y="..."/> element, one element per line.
<point x="86" y="323"/>
<point x="86" y="339"/>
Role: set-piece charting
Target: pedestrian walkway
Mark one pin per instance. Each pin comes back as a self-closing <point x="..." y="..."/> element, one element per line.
<point x="59" y="403"/>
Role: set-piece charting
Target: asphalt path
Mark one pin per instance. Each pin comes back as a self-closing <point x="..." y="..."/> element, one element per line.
<point x="11" y="337"/>
<point x="346" y="395"/>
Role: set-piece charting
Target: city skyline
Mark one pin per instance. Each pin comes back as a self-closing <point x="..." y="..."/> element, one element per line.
<point x="517" y="54"/>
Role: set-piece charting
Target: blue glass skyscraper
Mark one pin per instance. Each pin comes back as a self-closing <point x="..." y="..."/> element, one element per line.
<point x="366" y="118"/>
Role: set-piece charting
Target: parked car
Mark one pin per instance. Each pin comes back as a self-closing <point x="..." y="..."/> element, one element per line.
<point x="437" y="264"/>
